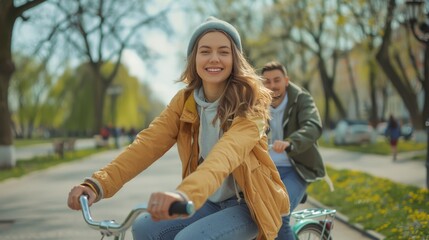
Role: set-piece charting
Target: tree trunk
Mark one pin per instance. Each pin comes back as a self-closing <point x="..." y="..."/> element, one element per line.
<point x="353" y="86"/>
<point x="373" y="117"/>
<point x="99" y="90"/>
<point x="425" y="83"/>
<point x="8" y="15"/>
<point x="384" y="59"/>
<point x="328" y="87"/>
<point x="7" y="68"/>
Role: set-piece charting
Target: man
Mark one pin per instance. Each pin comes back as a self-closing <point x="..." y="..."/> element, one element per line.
<point x="295" y="126"/>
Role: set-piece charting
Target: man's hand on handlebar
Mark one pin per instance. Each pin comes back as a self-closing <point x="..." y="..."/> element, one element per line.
<point x="76" y="192"/>
<point x="280" y="146"/>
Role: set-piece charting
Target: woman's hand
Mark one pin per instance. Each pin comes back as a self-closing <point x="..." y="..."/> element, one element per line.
<point x="76" y="192"/>
<point x="159" y="204"/>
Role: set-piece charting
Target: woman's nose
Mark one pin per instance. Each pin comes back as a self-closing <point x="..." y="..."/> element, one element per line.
<point x="214" y="57"/>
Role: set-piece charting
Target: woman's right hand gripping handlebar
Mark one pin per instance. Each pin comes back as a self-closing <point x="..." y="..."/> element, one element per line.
<point x="76" y="192"/>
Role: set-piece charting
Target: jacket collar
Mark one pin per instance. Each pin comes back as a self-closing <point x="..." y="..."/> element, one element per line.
<point x="189" y="113"/>
<point x="293" y="92"/>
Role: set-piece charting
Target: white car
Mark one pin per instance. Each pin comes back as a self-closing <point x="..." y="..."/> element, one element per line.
<point x="353" y="132"/>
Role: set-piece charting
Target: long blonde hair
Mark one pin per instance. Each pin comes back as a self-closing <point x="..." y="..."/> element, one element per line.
<point x="244" y="93"/>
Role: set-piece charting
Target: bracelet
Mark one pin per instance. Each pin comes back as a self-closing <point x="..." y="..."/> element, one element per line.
<point x="85" y="184"/>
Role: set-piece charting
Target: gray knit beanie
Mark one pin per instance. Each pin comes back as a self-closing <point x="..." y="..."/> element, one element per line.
<point x="217" y="24"/>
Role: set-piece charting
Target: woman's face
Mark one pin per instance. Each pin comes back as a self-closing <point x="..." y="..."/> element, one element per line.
<point x="214" y="59"/>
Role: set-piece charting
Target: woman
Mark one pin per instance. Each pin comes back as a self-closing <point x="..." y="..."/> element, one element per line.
<point x="393" y="133"/>
<point x="218" y="122"/>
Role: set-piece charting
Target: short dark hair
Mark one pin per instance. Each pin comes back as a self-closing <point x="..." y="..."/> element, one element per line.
<point x="274" y="65"/>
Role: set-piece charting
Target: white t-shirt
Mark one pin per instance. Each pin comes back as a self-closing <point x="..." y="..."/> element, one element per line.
<point x="276" y="133"/>
<point x="208" y="136"/>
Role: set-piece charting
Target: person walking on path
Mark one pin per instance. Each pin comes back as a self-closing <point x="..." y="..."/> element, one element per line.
<point x="295" y="126"/>
<point x="393" y="133"/>
<point x="219" y="122"/>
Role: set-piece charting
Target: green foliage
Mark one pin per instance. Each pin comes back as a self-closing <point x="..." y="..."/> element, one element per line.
<point x="132" y="104"/>
<point x="28" y="90"/>
<point x="67" y="101"/>
<point x="77" y="90"/>
<point x="394" y="210"/>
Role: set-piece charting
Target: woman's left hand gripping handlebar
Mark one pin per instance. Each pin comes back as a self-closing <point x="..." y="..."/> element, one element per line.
<point x="159" y="204"/>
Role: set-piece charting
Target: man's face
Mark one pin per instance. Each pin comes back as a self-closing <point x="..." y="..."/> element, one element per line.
<point x="277" y="83"/>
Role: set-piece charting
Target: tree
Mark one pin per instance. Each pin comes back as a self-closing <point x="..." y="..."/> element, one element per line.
<point x="99" y="32"/>
<point x="315" y="32"/>
<point x="392" y="62"/>
<point x="369" y="20"/>
<point x="28" y="89"/>
<point x="73" y="89"/>
<point x="9" y="13"/>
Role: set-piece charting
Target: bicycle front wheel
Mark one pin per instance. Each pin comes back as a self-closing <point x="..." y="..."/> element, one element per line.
<point x="313" y="231"/>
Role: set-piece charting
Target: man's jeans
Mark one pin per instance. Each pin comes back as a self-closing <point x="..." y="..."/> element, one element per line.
<point x="296" y="188"/>
<point x="225" y="220"/>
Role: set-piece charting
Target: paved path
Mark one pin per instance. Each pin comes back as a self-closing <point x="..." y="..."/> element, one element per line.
<point x="403" y="170"/>
<point x="34" y="206"/>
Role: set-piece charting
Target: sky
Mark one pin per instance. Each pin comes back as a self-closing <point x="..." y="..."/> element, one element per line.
<point x="165" y="72"/>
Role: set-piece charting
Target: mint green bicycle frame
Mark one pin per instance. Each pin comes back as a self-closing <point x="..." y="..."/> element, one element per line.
<point x="321" y="217"/>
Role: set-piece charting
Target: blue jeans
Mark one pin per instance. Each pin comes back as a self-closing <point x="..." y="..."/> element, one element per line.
<point x="296" y="187"/>
<point x="228" y="219"/>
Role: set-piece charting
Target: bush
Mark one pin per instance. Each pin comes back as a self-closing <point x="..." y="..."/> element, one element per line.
<point x="395" y="210"/>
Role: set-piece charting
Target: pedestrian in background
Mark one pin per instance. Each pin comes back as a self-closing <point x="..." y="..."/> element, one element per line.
<point x="295" y="126"/>
<point x="393" y="133"/>
<point x="218" y="122"/>
<point x="105" y="134"/>
<point x="132" y="134"/>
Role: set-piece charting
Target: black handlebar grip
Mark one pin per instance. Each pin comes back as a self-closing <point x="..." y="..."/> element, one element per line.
<point x="182" y="208"/>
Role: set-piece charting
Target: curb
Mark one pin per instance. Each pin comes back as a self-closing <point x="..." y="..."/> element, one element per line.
<point x="344" y="219"/>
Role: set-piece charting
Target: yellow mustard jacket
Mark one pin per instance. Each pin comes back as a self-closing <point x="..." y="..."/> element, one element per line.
<point x="242" y="151"/>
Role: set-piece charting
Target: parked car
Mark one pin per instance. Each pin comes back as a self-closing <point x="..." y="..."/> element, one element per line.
<point x="406" y="130"/>
<point x="353" y="132"/>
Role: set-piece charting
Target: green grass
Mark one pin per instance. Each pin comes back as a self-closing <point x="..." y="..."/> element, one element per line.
<point x="397" y="211"/>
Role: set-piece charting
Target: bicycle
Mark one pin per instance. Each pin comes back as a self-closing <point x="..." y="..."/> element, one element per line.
<point x="307" y="225"/>
<point x="313" y="223"/>
<point x="109" y="228"/>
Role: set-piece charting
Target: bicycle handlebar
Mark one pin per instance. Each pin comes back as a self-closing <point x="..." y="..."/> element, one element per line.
<point x="110" y="227"/>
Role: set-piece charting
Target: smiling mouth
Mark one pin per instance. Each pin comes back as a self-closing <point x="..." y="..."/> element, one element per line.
<point x="214" y="70"/>
<point x="275" y="95"/>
